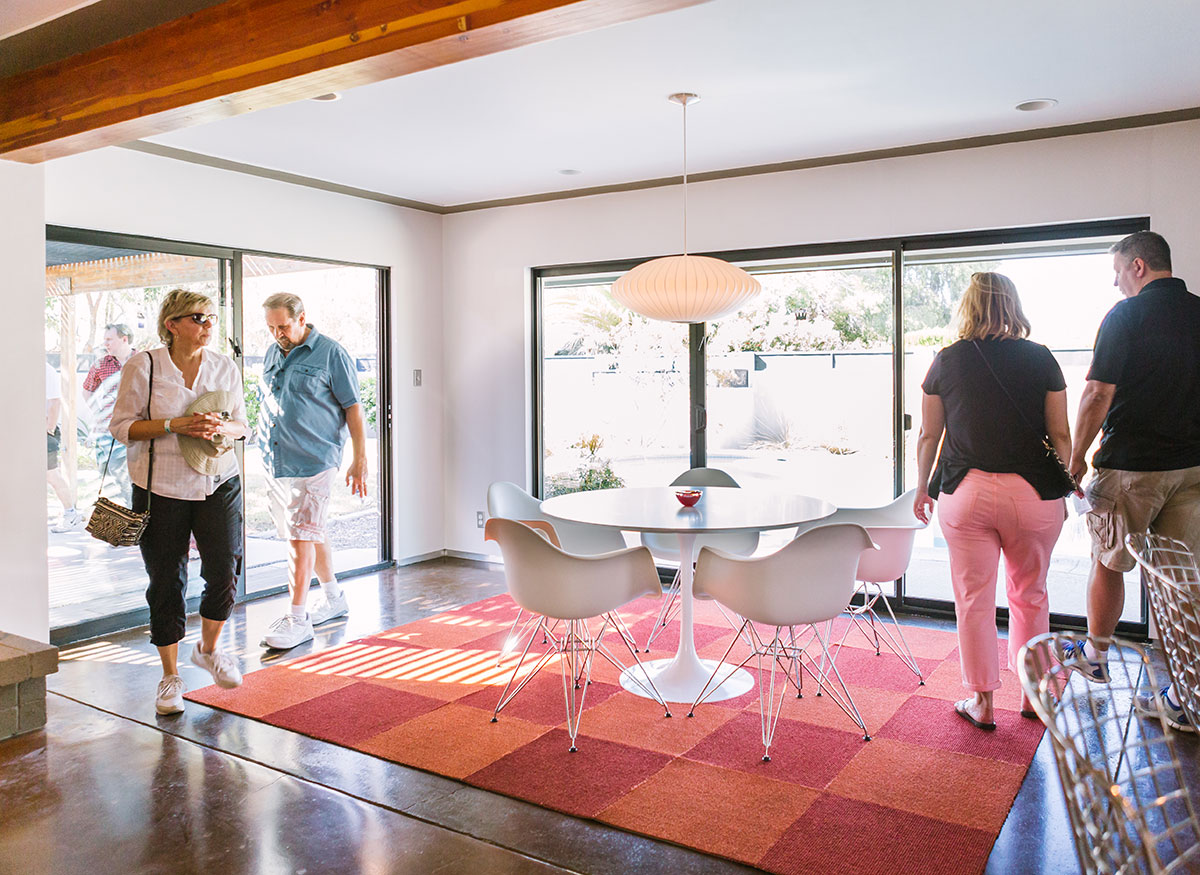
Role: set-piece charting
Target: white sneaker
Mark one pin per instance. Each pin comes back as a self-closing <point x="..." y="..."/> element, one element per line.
<point x="287" y="632"/>
<point x="220" y="665"/>
<point x="72" y="521"/>
<point x="323" y="609"/>
<point x="169" y="698"/>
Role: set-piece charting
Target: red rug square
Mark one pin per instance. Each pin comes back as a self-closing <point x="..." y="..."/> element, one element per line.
<point x="801" y="753"/>
<point x="352" y="714"/>
<point x="584" y="782"/>
<point x="857" y="838"/>
<point x="933" y="723"/>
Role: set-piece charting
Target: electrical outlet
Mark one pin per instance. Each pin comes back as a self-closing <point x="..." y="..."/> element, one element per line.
<point x="417" y="377"/>
<point x="479" y="518"/>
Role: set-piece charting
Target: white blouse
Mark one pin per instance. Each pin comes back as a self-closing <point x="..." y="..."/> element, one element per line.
<point x="173" y="477"/>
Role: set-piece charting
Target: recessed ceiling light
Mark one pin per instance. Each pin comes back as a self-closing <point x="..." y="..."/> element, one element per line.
<point x="1035" y="105"/>
<point x="324" y="98"/>
<point x="568" y="171"/>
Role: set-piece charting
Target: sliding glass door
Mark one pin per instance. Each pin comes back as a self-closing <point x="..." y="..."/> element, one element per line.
<point x="1065" y="290"/>
<point x="799" y="384"/>
<point x="341" y="301"/>
<point x="615" y="391"/>
<point x="101" y="308"/>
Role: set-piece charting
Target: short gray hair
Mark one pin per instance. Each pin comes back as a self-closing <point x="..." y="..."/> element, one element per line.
<point x="1146" y="245"/>
<point x="285" y="301"/>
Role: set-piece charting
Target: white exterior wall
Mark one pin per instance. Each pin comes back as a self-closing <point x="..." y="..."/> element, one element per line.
<point x="488" y="253"/>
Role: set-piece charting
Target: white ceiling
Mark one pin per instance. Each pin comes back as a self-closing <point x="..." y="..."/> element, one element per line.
<point x="780" y="80"/>
<point x="19" y="15"/>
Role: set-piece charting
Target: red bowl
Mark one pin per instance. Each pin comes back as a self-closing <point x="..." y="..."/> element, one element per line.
<point x="688" y="497"/>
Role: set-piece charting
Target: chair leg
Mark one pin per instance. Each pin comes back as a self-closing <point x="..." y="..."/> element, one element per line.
<point x="573" y="666"/>
<point x="648" y="687"/>
<point x="879" y="631"/>
<point x="768" y="709"/>
<point x="839" y="692"/>
<point x="709" y="685"/>
<point x="505" y="695"/>
<point x="513" y="637"/>
<point x="665" y="611"/>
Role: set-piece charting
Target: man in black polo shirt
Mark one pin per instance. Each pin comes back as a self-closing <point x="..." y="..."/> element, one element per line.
<point x="1144" y="388"/>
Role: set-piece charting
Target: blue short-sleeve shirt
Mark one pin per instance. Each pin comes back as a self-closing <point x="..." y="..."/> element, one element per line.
<point x="302" y="418"/>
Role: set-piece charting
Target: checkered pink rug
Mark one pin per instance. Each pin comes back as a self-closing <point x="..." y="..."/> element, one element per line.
<point x="929" y="793"/>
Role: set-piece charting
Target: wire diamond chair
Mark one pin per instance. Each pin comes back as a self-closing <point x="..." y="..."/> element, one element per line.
<point x="1125" y="791"/>
<point x="1173" y="582"/>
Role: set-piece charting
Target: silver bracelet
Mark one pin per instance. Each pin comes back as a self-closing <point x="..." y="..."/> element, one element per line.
<point x="166" y="426"/>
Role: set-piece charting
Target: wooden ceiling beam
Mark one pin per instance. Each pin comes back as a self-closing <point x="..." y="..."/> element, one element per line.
<point x="243" y="55"/>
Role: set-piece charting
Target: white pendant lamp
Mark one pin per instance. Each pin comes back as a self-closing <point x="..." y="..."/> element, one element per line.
<point x="685" y="288"/>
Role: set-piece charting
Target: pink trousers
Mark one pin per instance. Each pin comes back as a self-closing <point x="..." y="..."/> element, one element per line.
<point x="989" y="514"/>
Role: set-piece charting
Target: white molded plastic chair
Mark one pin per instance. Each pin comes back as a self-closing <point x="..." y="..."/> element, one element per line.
<point x="1125" y="791"/>
<point x="806" y="583"/>
<point x="666" y="547"/>
<point x="893" y="528"/>
<point x="552" y="584"/>
<point x="509" y="501"/>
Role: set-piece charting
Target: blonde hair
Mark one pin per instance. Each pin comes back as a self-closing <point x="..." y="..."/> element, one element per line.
<point x="180" y="302"/>
<point x="285" y="301"/>
<point x="990" y="307"/>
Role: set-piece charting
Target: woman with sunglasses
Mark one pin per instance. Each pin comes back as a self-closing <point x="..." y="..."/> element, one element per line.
<point x="186" y="503"/>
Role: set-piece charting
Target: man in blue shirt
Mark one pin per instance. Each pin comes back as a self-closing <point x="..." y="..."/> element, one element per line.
<point x="310" y="402"/>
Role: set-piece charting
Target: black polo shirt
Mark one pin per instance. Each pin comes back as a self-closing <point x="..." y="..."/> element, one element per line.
<point x="1148" y="347"/>
<point x="984" y="429"/>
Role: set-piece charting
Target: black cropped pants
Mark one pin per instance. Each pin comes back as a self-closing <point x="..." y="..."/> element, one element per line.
<point x="216" y="523"/>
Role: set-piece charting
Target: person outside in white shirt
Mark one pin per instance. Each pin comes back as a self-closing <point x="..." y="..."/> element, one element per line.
<point x="72" y="519"/>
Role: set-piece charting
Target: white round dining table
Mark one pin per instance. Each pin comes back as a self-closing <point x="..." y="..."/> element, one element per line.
<point x="656" y="509"/>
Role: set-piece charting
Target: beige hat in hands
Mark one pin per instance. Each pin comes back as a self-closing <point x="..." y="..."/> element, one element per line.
<point x="209" y="457"/>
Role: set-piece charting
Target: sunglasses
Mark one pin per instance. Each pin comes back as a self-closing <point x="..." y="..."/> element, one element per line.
<point x="200" y="318"/>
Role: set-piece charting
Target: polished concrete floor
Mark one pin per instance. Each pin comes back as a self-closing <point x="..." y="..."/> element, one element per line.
<point x="110" y="786"/>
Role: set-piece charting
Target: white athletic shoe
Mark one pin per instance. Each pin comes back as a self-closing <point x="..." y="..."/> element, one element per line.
<point x="323" y="609"/>
<point x="169" y="698"/>
<point x="287" y="632"/>
<point x="72" y="521"/>
<point x="220" y="665"/>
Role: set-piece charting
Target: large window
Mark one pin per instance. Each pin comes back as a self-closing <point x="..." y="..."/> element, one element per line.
<point x="102" y="298"/>
<point x="615" y="389"/>
<point x="814" y="387"/>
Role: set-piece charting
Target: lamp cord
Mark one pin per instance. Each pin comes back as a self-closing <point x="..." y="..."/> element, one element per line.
<point x="685" y="175"/>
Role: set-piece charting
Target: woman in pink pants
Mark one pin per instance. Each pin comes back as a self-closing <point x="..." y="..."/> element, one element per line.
<point x="988" y="393"/>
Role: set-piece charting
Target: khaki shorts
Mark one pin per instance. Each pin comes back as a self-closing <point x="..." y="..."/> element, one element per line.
<point x="1163" y="502"/>
<point x="300" y="505"/>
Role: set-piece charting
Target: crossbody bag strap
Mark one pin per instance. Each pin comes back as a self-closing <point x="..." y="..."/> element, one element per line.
<point x="1041" y="436"/>
<point x="150" y="467"/>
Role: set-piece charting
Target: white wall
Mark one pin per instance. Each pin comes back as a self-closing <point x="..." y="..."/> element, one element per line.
<point x="1152" y="171"/>
<point x="24" y="588"/>
<point x="132" y="192"/>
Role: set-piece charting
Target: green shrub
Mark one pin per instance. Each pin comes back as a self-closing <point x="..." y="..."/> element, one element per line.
<point x="253" y="394"/>
<point x="367" y="392"/>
